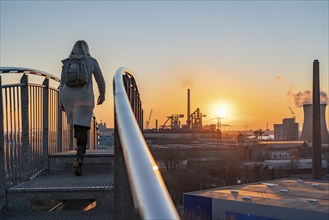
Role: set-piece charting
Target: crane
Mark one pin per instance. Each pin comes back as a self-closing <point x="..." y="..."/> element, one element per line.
<point x="292" y="112"/>
<point x="149" y="119"/>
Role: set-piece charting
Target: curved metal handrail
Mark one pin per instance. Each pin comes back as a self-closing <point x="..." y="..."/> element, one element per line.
<point x="28" y="71"/>
<point x="149" y="192"/>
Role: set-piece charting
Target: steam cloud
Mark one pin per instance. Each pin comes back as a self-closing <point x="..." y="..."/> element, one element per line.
<point x="186" y="83"/>
<point x="305" y="97"/>
<point x="279" y="78"/>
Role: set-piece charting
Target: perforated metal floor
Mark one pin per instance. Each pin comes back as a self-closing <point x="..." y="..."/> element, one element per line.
<point x="67" y="181"/>
<point x="109" y="151"/>
<point x="71" y="215"/>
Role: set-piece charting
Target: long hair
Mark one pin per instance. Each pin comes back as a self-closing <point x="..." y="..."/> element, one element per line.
<point x="80" y="49"/>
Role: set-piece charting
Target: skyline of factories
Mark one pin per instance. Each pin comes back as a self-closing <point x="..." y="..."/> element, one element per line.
<point x="301" y="100"/>
<point x="230" y="117"/>
<point x="235" y="119"/>
<point x="296" y="99"/>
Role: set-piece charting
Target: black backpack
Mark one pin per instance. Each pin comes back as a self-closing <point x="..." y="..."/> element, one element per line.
<point x="75" y="72"/>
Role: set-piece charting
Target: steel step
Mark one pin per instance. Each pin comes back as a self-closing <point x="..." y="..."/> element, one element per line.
<point x="63" y="215"/>
<point x="61" y="187"/>
<point x="94" y="161"/>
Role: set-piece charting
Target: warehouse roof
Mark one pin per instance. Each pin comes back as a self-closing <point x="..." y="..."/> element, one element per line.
<point x="288" y="193"/>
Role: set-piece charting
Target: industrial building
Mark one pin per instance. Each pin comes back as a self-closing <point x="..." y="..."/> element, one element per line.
<point x="268" y="200"/>
<point x="173" y="123"/>
<point x="286" y="164"/>
<point x="287" y="131"/>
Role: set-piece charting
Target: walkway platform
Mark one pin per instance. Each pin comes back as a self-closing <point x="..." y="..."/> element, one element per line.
<point x="67" y="182"/>
<point x="70" y="215"/>
<point x="59" y="194"/>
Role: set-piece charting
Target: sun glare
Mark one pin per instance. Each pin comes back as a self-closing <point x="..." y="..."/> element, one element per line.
<point x="221" y="112"/>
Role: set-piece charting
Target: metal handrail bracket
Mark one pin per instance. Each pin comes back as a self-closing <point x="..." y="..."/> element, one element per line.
<point x="149" y="192"/>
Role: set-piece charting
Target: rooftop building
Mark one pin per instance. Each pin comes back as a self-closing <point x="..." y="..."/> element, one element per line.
<point x="275" y="199"/>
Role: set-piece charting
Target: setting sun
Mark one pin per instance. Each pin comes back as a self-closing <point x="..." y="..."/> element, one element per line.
<point x="222" y="109"/>
<point x="221" y="112"/>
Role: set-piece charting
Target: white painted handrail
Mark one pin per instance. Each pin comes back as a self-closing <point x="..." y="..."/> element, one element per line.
<point x="149" y="192"/>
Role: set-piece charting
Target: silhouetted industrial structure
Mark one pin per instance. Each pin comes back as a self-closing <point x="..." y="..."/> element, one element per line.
<point x="306" y="134"/>
<point x="316" y="139"/>
<point x="188" y="121"/>
<point x="174" y="122"/>
<point x="193" y="120"/>
<point x="196" y="119"/>
<point x="287" y="131"/>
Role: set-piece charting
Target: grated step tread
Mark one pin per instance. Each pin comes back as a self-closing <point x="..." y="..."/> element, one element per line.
<point x="67" y="182"/>
<point x="89" y="153"/>
<point x="71" y="215"/>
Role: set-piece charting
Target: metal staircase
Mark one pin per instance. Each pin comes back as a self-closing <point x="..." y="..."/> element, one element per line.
<point x="59" y="194"/>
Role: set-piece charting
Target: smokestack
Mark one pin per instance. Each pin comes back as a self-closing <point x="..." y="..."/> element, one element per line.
<point x="156" y="124"/>
<point x="306" y="134"/>
<point x="188" y="121"/>
<point x="316" y="139"/>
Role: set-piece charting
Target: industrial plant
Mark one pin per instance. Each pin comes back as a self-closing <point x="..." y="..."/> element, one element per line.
<point x="173" y="123"/>
<point x="189" y="147"/>
<point x="297" y="164"/>
<point x="306" y="134"/>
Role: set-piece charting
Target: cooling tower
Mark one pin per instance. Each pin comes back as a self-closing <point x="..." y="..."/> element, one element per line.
<point x="308" y="120"/>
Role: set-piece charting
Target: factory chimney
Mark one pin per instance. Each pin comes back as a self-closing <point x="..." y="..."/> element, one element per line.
<point x="316" y="125"/>
<point x="188" y="121"/>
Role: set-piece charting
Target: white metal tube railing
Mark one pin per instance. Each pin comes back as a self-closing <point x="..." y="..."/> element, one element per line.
<point x="33" y="125"/>
<point x="149" y="192"/>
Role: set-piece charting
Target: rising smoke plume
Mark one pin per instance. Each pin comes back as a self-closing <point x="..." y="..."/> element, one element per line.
<point x="186" y="83"/>
<point x="305" y="97"/>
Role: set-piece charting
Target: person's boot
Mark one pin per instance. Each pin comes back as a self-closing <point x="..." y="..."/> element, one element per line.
<point x="77" y="166"/>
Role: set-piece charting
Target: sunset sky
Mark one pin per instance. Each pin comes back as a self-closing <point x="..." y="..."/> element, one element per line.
<point x="249" y="57"/>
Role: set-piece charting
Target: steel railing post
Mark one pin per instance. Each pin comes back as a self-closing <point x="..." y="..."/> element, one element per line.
<point x="91" y="134"/>
<point x="45" y="122"/>
<point x="97" y="137"/>
<point x="26" y="148"/>
<point x="3" y="183"/>
<point x="59" y="127"/>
